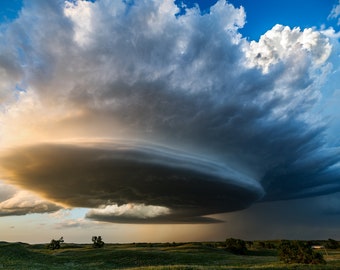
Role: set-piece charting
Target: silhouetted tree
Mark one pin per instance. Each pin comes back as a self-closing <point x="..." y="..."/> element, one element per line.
<point x="97" y="242"/>
<point x="236" y="246"/>
<point x="298" y="252"/>
<point x="332" y="244"/>
<point x="55" y="244"/>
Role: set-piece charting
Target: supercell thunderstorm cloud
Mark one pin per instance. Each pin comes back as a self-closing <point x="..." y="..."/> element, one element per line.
<point x="147" y="115"/>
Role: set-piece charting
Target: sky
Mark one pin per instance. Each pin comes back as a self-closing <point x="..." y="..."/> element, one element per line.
<point x="162" y="121"/>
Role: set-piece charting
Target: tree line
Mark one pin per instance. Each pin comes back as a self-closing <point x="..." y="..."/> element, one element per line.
<point x="289" y="251"/>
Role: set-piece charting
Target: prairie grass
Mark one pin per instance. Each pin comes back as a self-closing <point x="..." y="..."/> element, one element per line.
<point x="146" y="256"/>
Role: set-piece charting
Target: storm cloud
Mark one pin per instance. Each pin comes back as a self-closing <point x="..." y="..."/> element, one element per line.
<point x="145" y="115"/>
<point x="128" y="173"/>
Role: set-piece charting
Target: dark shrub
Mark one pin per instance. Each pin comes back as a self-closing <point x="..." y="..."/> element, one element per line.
<point x="270" y="245"/>
<point x="262" y="244"/>
<point x="298" y="252"/>
<point x="236" y="246"/>
<point x="249" y="243"/>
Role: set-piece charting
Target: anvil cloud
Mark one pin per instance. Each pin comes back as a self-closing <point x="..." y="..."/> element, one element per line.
<point x="146" y="115"/>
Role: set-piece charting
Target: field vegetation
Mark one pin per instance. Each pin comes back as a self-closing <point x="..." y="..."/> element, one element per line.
<point x="157" y="256"/>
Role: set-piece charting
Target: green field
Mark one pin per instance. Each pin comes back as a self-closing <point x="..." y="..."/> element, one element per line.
<point x="147" y="256"/>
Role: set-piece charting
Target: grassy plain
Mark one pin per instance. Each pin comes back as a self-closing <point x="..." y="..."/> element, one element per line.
<point x="146" y="256"/>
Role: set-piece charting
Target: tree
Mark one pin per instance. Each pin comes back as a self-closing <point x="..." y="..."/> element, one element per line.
<point x="97" y="242"/>
<point x="332" y="244"/>
<point x="298" y="252"/>
<point x="236" y="246"/>
<point x="55" y="244"/>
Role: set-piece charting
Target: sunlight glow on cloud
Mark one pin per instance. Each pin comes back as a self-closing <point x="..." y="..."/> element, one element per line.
<point x="130" y="105"/>
<point x="140" y="211"/>
<point x="23" y="202"/>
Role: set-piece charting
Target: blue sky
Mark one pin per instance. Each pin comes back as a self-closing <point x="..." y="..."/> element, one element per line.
<point x="139" y="124"/>
<point x="9" y="10"/>
<point x="264" y="14"/>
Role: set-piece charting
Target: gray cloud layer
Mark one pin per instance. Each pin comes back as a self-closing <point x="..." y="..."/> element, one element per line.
<point x="111" y="69"/>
